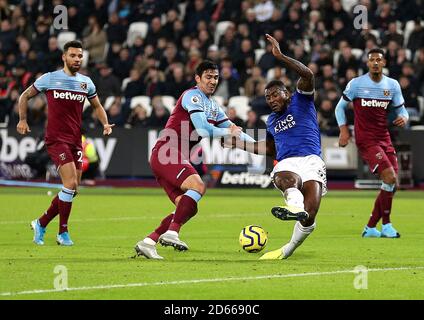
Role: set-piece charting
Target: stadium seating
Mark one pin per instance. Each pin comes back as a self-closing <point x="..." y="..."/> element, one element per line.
<point x="137" y="29"/>
<point x="144" y="100"/>
<point x="86" y="58"/>
<point x="125" y="83"/>
<point x="168" y="102"/>
<point x="241" y="104"/>
<point x="258" y="54"/>
<point x="219" y="100"/>
<point x="64" y="37"/>
<point x="220" y="30"/>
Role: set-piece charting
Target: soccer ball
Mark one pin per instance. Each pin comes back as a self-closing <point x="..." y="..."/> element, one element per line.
<point x="253" y="238"/>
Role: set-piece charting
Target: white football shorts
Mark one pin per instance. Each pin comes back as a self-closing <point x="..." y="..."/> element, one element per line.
<point x="308" y="168"/>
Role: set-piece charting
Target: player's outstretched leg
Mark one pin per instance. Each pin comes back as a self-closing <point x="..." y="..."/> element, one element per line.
<point x="300" y="233"/>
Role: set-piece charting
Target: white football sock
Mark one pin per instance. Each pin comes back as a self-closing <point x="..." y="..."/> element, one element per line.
<point x="294" y="197"/>
<point x="300" y="233"/>
<point x="149" y="241"/>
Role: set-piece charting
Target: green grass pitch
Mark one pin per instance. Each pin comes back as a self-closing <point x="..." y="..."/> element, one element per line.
<point x="106" y="223"/>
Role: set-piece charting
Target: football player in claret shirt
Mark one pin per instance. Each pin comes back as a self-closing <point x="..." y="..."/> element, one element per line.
<point x="196" y="115"/>
<point x="293" y="139"/>
<point x="376" y="98"/>
<point x="66" y="91"/>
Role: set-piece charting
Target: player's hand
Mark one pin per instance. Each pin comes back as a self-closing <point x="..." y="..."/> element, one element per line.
<point x="107" y="129"/>
<point x="344" y="139"/>
<point x="235" y="131"/>
<point x="400" y="121"/>
<point x="276" y="51"/>
<point x="23" y="127"/>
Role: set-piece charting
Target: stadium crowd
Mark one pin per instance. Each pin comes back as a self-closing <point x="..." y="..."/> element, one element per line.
<point x="142" y="54"/>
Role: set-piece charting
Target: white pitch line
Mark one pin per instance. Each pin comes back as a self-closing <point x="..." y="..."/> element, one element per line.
<point x="195" y="281"/>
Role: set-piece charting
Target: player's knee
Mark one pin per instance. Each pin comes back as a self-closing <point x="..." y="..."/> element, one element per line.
<point x="389" y="178"/>
<point x="285" y="182"/>
<point x="200" y="188"/>
<point x="71" y="184"/>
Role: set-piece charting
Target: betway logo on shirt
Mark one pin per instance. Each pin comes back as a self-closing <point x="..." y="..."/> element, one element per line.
<point x="374" y="103"/>
<point x="68" y="96"/>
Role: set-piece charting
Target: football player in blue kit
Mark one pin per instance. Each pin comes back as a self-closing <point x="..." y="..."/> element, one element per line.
<point x="293" y="139"/>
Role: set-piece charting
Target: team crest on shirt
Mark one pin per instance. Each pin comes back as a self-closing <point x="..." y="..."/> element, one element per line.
<point x="62" y="156"/>
<point x="379" y="156"/>
<point x="83" y="85"/>
<point x="386" y="93"/>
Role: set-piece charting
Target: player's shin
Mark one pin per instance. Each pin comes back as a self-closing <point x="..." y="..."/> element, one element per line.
<point x="186" y="209"/>
<point x="65" y="204"/>
<point x="51" y="212"/>
<point x="386" y="198"/>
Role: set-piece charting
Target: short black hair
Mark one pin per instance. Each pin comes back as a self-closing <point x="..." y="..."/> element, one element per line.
<point x="275" y="83"/>
<point x="376" y="50"/>
<point x="205" y="65"/>
<point x="72" y="44"/>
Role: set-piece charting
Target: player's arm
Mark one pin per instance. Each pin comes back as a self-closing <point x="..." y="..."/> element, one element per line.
<point x="205" y="129"/>
<point x="227" y="123"/>
<point x="401" y="115"/>
<point x="262" y="147"/>
<point x="22" y="126"/>
<point x="101" y="115"/>
<point x="342" y="122"/>
<point x="306" y="81"/>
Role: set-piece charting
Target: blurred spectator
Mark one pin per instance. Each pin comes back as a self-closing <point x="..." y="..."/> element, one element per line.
<point x="53" y="57"/>
<point x="391" y="34"/>
<point x="196" y="11"/>
<point x="122" y="66"/>
<point x="176" y="83"/>
<point x="115" y="31"/>
<point x="7" y="37"/>
<point x="107" y="84"/>
<point x="232" y="116"/>
<point x="227" y="85"/>
<point x="160" y="113"/>
<point x="253" y="82"/>
<point x="95" y="40"/>
<point x="138" y="117"/>
<point x="115" y="113"/>
<point x="327" y="119"/>
<point x="416" y="38"/>
<point x="258" y="103"/>
<point x="135" y="87"/>
<point x="410" y="95"/>
<point x="253" y="121"/>
<point x="154" y="82"/>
